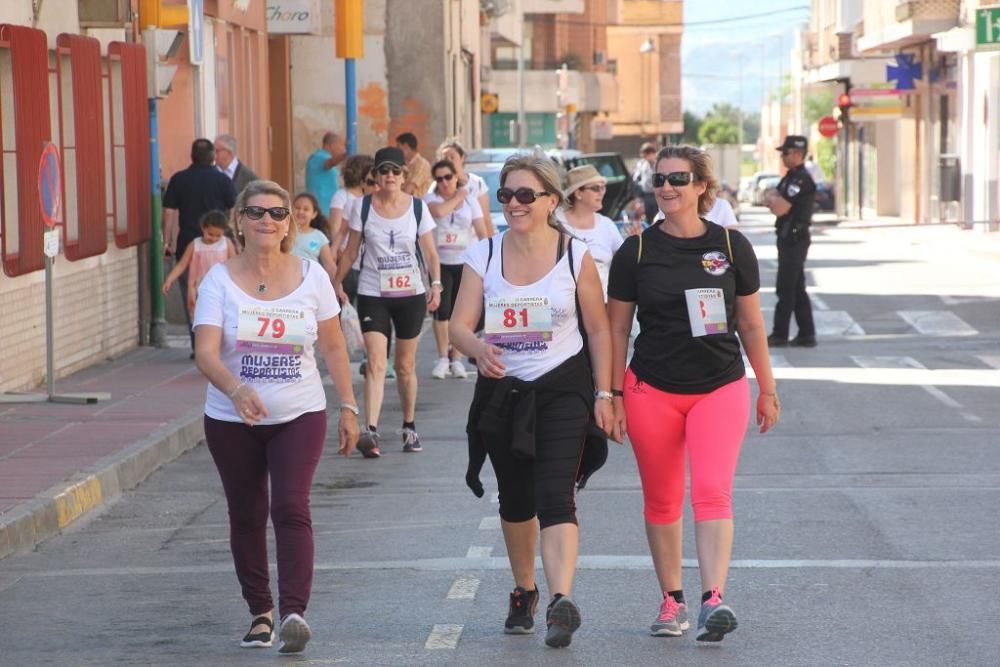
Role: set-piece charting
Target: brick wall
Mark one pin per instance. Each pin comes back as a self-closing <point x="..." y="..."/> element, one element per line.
<point x="96" y="304"/>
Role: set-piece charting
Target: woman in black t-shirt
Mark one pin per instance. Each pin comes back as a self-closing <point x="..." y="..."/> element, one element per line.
<point x="685" y="391"/>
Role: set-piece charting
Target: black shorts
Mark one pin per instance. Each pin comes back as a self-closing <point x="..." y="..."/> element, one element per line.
<point x="451" y="279"/>
<point x="351" y="285"/>
<point x="380" y="314"/>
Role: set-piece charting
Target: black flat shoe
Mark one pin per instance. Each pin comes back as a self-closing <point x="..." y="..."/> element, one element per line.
<point x="259" y="639"/>
<point x="803" y="341"/>
<point x="776" y="341"/>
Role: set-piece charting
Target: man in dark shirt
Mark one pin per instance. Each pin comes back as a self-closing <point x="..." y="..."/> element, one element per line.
<point x="191" y="193"/>
<point x="792" y="203"/>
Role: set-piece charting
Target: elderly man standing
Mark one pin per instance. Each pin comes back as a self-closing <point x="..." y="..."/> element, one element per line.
<point x="230" y="165"/>
<point x="321" y="169"/>
<point x="418" y="177"/>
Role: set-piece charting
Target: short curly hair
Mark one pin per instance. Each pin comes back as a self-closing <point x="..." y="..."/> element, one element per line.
<point x="701" y="167"/>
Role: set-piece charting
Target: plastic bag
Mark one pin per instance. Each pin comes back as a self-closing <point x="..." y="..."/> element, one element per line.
<point x="351" y="325"/>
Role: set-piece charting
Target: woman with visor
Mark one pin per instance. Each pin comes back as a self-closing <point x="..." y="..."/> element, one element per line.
<point x="391" y="233"/>
<point x="685" y="392"/>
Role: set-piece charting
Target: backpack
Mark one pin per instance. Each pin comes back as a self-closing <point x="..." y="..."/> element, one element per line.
<point x="418" y="214"/>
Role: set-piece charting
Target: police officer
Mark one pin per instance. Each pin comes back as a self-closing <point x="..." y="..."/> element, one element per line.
<point x="792" y="203"/>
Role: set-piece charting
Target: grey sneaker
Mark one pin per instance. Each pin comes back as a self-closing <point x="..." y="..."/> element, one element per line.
<point x="716" y="620"/>
<point x="562" y="619"/>
<point x="411" y="441"/>
<point x="521" y="617"/>
<point x="672" y="620"/>
<point x="294" y="634"/>
<point x="368" y="444"/>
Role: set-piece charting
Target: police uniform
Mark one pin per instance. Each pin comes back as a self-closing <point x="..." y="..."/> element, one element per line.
<point x="797" y="188"/>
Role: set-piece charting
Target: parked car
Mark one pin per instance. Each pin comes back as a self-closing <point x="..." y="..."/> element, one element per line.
<point x="825" y="199"/>
<point x="753" y="184"/>
<point x="621" y="190"/>
<point x="763" y="185"/>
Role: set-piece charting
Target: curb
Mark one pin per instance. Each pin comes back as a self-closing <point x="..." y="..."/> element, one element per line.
<point x="47" y="514"/>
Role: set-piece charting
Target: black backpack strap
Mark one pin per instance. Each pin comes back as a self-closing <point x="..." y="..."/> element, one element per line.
<point x="366" y="207"/>
<point x="489" y="256"/>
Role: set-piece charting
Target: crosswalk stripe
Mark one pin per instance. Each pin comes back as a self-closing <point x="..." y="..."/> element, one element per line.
<point x="836" y="323"/>
<point x="937" y="322"/>
<point x="910" y="362"/>
<point x="444" y="636"/>
<point x="464" y="588"/>
<point x="479" y="552"/>
<point x="991" y="360"/>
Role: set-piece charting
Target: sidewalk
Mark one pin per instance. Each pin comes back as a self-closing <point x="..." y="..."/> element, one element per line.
<point x="58" y="462"/>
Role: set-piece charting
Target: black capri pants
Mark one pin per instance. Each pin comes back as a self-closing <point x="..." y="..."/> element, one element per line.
<point x="451" y="280"/>
<point x="380" y="314"/>
<point x="546" y="486"/>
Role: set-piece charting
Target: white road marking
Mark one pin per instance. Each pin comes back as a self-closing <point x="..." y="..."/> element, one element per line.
<point x="490" y="523"/>
<point x="818" y="302"/>
<point x="479" y="552"/>
<point x="991" y="360"/>
<point x="444" y="636"/>
<point x="464" y="588"/>
<point x="885" y="362"/>
<point x="591" y="562"/>
<point x="937" y="322"/>
<point x="836" y="323"/>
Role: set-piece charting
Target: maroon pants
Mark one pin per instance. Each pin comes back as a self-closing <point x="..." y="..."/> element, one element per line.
<point x="246" y="457"/>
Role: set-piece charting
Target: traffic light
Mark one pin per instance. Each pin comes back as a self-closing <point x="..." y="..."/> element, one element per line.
<point x="844" y="103"/>
<point x="163" y="14"/>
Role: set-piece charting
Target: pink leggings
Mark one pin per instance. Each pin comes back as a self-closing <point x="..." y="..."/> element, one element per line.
<point x="710" y="427"/>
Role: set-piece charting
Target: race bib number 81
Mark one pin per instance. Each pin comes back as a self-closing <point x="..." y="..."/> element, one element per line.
<point x="268" y="330"/>
<point x="524" y="319"/>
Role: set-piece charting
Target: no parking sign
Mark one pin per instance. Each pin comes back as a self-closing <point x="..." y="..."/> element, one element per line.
<point x="50" y="196"/>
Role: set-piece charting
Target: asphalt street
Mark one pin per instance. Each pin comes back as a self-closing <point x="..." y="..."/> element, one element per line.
<point x="867" y="530"/>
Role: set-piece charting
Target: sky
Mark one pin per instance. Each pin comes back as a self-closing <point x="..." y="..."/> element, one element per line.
<point x="736" y="61"/>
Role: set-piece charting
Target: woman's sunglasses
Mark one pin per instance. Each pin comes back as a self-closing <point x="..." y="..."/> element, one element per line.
<point x="444" y="177"/>
<point x="370" y="182"/>
<point x="675" y="178"/>
<point x="523" y="195"/>
<point x="386" y="169"/>
<point x="277" y="213"/>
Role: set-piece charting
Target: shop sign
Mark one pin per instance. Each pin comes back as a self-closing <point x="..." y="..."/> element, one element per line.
<point x="988" y="27"/>
<point x="294" y="17"/>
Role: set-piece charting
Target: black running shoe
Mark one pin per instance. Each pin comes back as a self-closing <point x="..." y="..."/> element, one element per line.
<point x="803" y="341"/>
<point x="775" y="340"/>
<point x="521" y="618"/>
<point x="563" y="619"/>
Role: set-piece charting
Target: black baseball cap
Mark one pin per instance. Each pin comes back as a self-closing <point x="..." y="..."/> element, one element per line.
<point x="389" y="155"/>
<point x="794" y="141"/>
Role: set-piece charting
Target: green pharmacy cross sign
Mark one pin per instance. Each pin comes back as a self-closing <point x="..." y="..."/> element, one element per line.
<point x="988" y="27"/>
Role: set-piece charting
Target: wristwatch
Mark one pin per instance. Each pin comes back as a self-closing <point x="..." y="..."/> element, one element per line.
<point x="603" y="395"/>
<point x="352" y="408"/>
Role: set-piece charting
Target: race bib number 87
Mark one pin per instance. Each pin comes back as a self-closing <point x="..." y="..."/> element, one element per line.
<point x="267" y="330"/>
<point x="524" y="319"/>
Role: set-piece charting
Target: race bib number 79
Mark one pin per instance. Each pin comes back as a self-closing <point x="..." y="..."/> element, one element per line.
<point x="267" y="330"/>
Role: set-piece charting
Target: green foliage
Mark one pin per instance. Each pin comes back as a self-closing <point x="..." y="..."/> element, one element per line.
<point x="692" y="122"/>
<point x="818" y="105"/>
<point x="826" y="157"/>
<point x="718" y="130"/>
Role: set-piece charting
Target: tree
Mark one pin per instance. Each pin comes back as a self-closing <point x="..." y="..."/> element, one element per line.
<point x="751" y="127"/>
<point x="818" y="105"/>
<point x="718" y="130"/>
<point x="692" y="122"/>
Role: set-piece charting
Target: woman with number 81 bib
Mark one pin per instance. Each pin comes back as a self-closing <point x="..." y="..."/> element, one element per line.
<point x="535" y="396"/>
<point x="685" y="390"/>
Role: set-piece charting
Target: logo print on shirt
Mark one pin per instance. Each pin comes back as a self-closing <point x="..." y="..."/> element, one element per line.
<point x="715" y="263"/>
<point x="793" y="189"/>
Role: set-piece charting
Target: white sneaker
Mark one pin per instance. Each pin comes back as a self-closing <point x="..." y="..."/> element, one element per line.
<point x="458" y="370"/>
<point x="440" y="369"/>
<point x="294" y="634"/>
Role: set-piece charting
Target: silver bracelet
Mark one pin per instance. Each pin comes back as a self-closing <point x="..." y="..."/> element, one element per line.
<point x="232" y="394"/>
<point x="351" y="408"/>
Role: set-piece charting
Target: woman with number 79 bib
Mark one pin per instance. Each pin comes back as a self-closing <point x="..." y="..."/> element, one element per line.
<point x="535" y="396"/>
<point x="685" y="390"/>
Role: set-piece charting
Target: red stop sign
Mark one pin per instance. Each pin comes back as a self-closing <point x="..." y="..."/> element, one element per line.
<point x="828" y="126"/>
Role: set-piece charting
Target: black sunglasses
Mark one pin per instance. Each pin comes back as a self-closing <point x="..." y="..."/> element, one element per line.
<point x="444" y="177"/>
<point x="674" y="178"/>
<point x="387" y="169"/>
<point x="277" y="213"/>
<point x="370" y="182"/>
<point x="523" y="195"/>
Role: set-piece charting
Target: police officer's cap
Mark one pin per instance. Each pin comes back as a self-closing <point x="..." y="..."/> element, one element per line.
<point x="796" y="141"/>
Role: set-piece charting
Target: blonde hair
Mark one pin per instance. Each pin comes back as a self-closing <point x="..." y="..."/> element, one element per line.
<point x="701" y="167"/>
<point x="544" y="169"/>
<point x="262" y="187"/>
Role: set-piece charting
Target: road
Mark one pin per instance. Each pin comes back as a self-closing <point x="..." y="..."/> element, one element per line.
<point x="867" y="529"/>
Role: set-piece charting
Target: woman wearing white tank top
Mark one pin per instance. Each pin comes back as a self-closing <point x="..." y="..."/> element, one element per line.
<point x="529" y="280"/>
